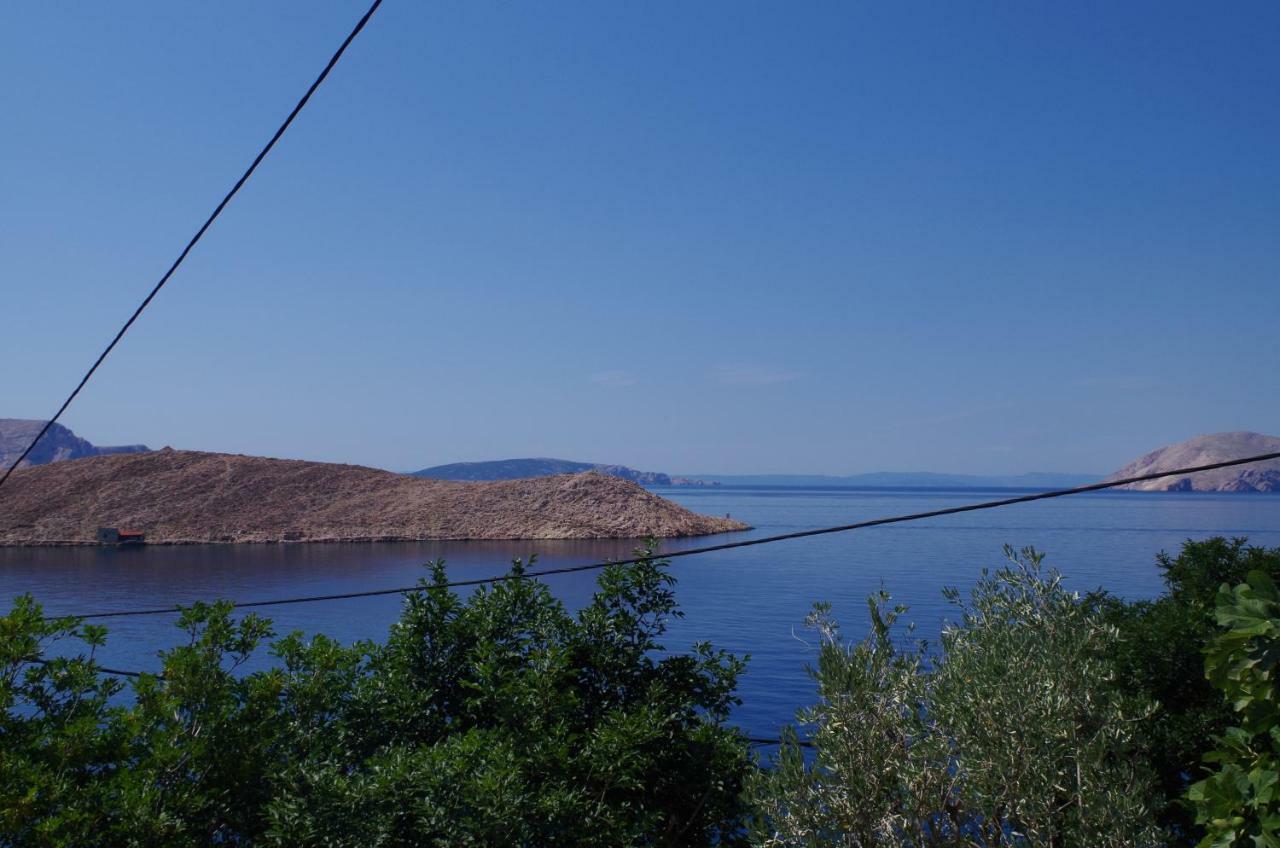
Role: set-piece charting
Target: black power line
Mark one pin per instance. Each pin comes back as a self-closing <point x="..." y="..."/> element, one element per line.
<point x="758" y="742"/>
<point x="93" y="666"/>
<point x="765" y="540"/>
<point x="257" y="160"/>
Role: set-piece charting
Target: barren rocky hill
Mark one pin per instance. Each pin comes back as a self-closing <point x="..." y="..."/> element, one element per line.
<point x="1205" y="450"/>
<point x="190" y="496"/>
<point x="57" y="445"/>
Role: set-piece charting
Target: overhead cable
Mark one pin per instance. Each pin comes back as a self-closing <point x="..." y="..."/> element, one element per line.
<point x="726" y="546"/>
<point x="191" y="243"/>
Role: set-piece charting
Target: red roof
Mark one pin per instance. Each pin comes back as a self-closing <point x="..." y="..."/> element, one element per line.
<point x="130" y="533"/>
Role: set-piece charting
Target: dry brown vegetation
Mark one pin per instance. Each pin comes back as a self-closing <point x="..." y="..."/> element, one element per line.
<point x="190" y="497"/>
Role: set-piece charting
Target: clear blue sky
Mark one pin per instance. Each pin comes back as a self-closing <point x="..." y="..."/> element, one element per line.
<point x="707" y="237"/>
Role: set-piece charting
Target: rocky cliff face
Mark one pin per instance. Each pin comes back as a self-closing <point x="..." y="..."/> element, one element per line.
<point x="1205" y="450"/>
<point x="644" y="478"/>
<point x="57" y="445"/>
<point x="189" y="496"/>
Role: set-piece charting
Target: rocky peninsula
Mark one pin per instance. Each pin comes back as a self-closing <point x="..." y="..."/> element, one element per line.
<point x="190" y="497"/>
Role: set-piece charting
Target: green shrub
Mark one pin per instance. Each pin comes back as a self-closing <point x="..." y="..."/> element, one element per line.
<point x="1016" y="732"/>
<point x="1161" y="655"/>
<point x="496" y="720"/>
<point x="1239" y="803"/>
<point x="501" y="719"/>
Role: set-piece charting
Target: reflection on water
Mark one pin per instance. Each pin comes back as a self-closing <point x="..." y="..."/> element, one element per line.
<point x="750" y="600"/>
<point x="103" y="578"/>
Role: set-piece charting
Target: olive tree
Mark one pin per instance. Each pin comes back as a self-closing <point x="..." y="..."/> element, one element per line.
<point x="1014" y="732"/>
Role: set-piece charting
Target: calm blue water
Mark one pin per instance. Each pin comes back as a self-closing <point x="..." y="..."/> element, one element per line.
<point x="751" y="601"/>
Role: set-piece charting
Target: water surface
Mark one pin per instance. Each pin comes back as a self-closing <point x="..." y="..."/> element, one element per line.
<point x="750" y="600"/>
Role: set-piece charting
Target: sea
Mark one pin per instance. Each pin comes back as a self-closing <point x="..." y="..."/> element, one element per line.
<point x="751" y="601"/>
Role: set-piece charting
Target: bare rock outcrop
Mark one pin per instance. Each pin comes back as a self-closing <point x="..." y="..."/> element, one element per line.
<point x="1206" y="450"/>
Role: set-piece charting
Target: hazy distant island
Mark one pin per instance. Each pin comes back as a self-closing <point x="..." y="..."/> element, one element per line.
<point x="515" y="469"/>
<point x="518" y="469"/>
<point x="58" y="444"/>
<point x="177" y="497"/>
<point x="1201" y="450"/>
<point x="908" y="480"/>
<point x="1206" y="450"/>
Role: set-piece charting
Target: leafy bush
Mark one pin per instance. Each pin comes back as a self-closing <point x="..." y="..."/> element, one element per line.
<point x="1161" y="655"/>
<point x="501" y="719"/>
<point x="495" y="720"/>
<point x="1239" y="804"/>
<point x="1016" y="732"/>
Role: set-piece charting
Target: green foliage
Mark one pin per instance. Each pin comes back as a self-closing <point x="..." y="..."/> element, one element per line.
<point x="495" y="720"/>
<point x="1161" y="655"/>
<point x="1016" y="732"/>
<point x="1239" y="804"/>
<point x="51" y="725"/>
<point x="501" y="719"/>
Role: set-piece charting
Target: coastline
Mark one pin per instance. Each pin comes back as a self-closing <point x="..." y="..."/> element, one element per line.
<point x="374" y="538"/>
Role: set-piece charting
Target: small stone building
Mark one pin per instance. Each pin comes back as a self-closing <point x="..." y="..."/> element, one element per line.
<point x="117" y="536"/>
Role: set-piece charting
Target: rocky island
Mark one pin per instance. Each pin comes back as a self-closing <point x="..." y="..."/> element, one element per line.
<point x="1206" y="450"/>
<point x="186" y="497"/>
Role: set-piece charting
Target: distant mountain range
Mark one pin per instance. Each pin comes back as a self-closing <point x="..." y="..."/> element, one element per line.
<point x="1206" y="450"/>
<point x="1201" y="450"/>
<point x="516" y="469"/>
<point x="58" y="444"/>
<point x="907" y="479"/>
